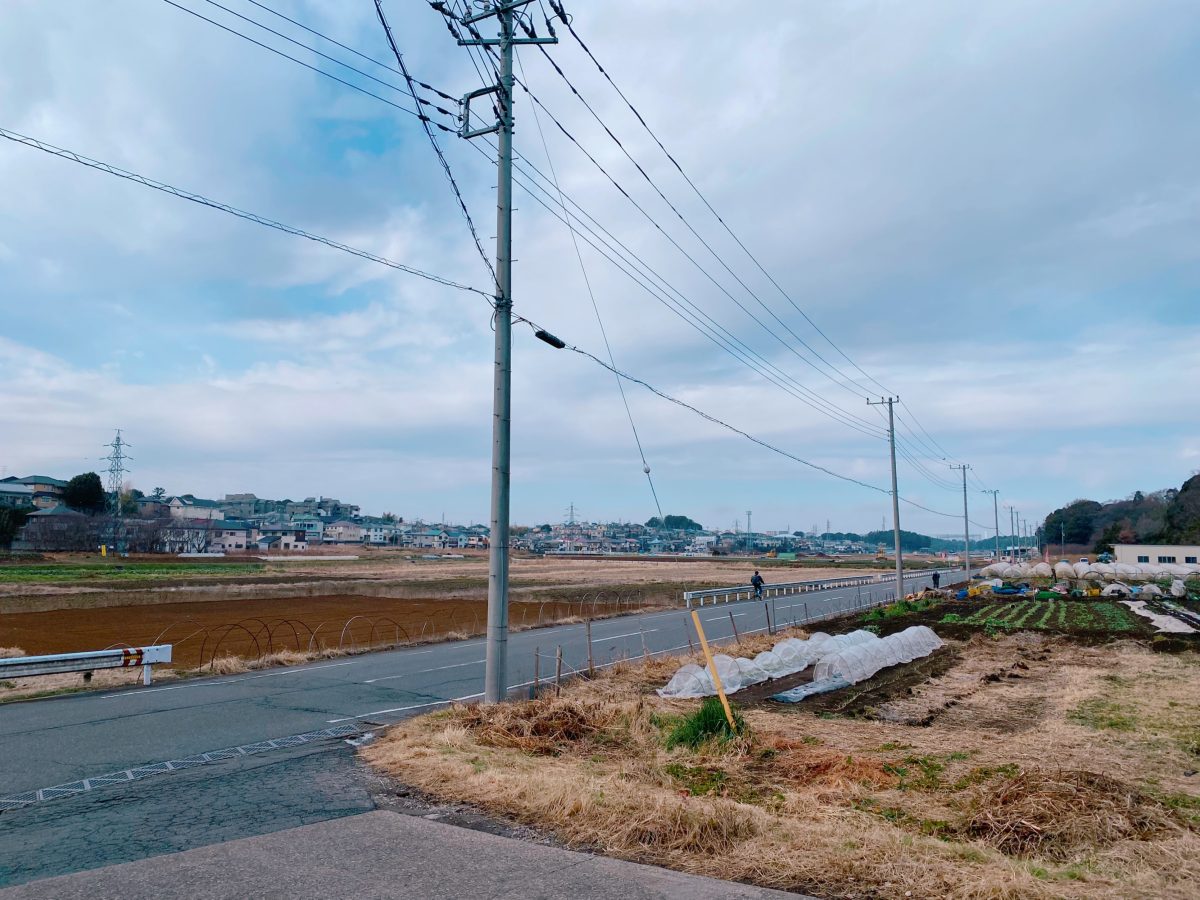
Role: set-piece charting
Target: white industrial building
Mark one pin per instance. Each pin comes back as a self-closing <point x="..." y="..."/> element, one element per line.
<point x="1157" y="554"/>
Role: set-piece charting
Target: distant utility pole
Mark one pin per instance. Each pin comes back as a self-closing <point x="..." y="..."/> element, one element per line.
<point x="749" y="540"/>
<point x="495" y="685"/>
<point x="1011" y="527"/>
<point x="1062" y="539"/>
<point x="996" y="512"/>
<point x="896" y="495"/>
<point x="966" y="522"/>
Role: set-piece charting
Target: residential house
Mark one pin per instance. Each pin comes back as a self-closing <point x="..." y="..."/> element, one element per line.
<point x="343" y="532"/>
<point x="190" y="507"/>
<point x="153" y="507"/>
<point x="47" y="492"/>
<point x="314" y="527"/>
<point x="13" y="494"/>
<point x="232" y="536"/>
<point x="286" y="541"/>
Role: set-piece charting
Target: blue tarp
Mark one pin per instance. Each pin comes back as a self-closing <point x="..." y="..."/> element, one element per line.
<point x="795" y="695"/>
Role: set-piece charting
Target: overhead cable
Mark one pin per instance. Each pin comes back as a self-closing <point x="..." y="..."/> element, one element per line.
<point x="462" y="204"/>
<point x="301" y="62"/>
<point x="595" y="306"/>
<point x="109" y="169"/>
<point x="567" y="20"/>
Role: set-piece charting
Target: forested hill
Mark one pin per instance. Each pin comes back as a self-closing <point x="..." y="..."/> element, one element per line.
<point x="1170" y="516"/>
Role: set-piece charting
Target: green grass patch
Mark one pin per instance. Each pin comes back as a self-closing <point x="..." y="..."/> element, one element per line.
<point x="699" y="780"/>
<point x="705" y="724"/>
<point x="35" y="574"/>
<point x="1101" y="714"/>
<point x="980" y="774"/>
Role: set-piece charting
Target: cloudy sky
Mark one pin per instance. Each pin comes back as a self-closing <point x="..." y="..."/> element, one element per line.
<point x="991" y="208"/>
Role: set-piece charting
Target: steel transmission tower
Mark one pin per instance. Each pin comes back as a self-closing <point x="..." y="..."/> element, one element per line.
<point x="895" y="494"/>
<point x="116" y="478"/>
<point x="495" y="685"/>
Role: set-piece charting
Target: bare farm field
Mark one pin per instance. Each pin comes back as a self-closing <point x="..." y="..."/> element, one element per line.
<point x="1007" y="764"/>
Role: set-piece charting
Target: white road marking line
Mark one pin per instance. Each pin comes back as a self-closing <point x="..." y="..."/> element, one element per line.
<point x="381" y="712"/>
<point x="723" y="618"/>
<point x="613" y="637"/>
<point x="198" y="684"/>
<point x="474" y="662"/>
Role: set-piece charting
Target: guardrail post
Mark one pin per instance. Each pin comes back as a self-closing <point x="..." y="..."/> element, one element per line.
<point x="146" y="677"/>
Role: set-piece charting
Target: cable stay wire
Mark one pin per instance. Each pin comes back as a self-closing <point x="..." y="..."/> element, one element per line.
<point x="110" y="169"/>
<point x="595" y="306"/>
<point x="462" y="204"/>
<point x="557" y="6"/>
<point x="827" y="408"/>
<point x="844" y="378"/>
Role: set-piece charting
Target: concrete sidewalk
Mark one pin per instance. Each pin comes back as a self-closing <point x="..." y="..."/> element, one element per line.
<point x="382" y="854"/>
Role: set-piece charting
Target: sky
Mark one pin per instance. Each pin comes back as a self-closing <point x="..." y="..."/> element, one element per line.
<point x="990" y="210"/>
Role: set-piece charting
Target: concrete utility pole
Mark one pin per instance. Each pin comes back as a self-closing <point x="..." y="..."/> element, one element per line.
<point x="895" y="494"/>
<point x="966" y="523"/>
<point x="495" y="685"/>
<point x="996" y="511"/>
<point x="1011" y="530"/>
<point x="749" y="539"/>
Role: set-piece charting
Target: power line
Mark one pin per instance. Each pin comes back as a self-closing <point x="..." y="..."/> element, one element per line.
<point x="543" y="335"/>
<point x="688" y="256"/>
<point x="558" y="8"/>
<point x="595" y="306"/>
<point x="107" y="168"/>
<point x="817" y="402"/>
<point x="345" y="47"/>
<point x="687" y="224"/>
<point x="462" y="204"/>
<point x="301" y="62"/>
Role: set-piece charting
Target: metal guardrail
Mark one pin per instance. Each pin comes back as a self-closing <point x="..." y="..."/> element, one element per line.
<point x="787" y="589"/>
<point x="87" y="661"/>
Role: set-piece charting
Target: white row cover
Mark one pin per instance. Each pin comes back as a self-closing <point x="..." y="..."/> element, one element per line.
<point x="792" y="655"/>
<point x="860" y="662"/>
<point x="1089" y="571"/>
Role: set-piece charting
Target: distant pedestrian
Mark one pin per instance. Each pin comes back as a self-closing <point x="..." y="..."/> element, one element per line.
<point x="757" y="581"/>
<point x="937" y="580"/>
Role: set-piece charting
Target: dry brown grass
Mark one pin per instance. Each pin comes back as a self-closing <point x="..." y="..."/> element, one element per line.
<point x="11" y="652"/>
<point x="1062" y="815"/>
<point x="964" y="806"/>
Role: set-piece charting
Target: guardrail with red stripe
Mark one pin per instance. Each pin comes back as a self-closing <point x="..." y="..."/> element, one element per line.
<point x="87" y="661"/>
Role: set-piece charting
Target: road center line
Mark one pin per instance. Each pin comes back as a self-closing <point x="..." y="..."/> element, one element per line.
<point x="198" y="684"/>
<point x="474" y="662"/>
<point x="613" y="637"/>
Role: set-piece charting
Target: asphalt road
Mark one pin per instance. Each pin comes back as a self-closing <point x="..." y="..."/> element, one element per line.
<point x="131" y="734"/>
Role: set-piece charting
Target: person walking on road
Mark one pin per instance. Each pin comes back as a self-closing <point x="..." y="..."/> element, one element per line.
<point x="757" y="581"/>
<point x="937" y="580"/>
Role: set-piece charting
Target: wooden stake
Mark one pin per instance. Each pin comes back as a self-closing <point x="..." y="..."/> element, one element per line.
<point x="591" y="665"/>
<point x="736" y="638"/>
<point x="712" y="668"/>
<point x="537" y="660"/>
<point x="558" y="671"/>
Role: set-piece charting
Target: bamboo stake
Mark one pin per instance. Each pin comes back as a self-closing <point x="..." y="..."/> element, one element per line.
<point x="712" y="667"/>
<point x="558" y="671"/>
